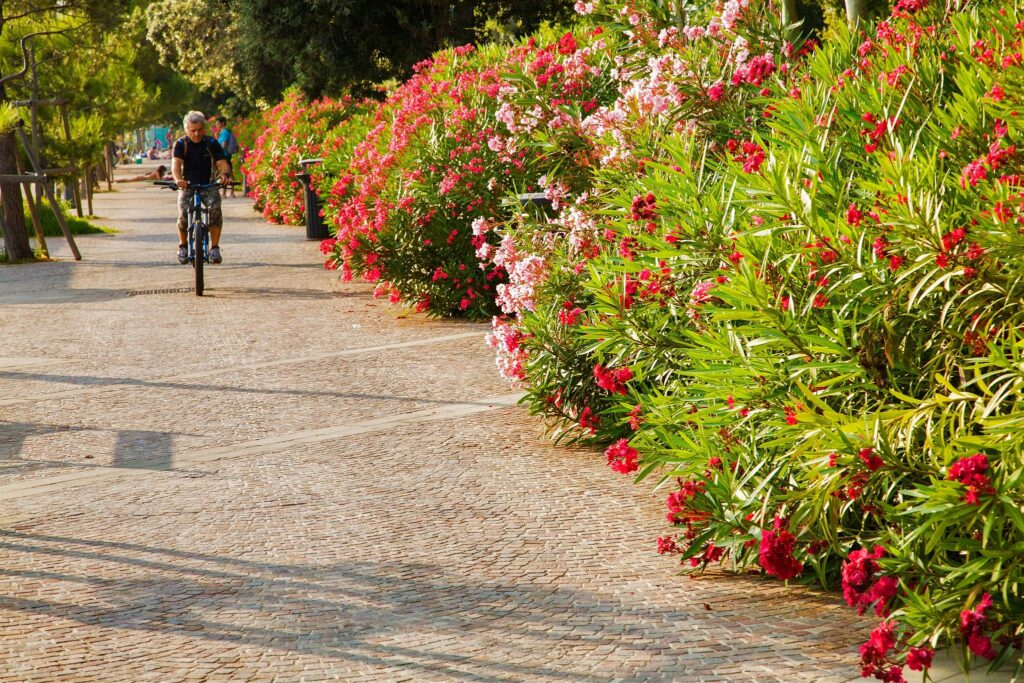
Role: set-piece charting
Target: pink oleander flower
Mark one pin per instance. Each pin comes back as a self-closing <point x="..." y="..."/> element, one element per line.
<point x="701" y="291"/>
<point x="505" y="340"/>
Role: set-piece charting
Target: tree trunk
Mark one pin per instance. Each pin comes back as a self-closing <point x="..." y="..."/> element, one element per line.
<point x="789" y="18"/>
<point x="856" y="11"/>
<point x="14" y="228"/>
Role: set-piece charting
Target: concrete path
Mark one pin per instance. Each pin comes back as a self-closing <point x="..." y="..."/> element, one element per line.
<point x="283" y="481"/>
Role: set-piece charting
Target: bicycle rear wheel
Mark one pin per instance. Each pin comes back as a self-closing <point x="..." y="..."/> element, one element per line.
<point x="199" y="251"/>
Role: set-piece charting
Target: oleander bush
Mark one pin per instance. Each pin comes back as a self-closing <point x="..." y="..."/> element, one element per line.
<point x="779" y="278"/>
<point x="437" y="172"/>
<point x="292" y="130"/>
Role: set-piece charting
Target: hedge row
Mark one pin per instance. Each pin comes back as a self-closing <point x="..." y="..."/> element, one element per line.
<point x="779" y="278"/>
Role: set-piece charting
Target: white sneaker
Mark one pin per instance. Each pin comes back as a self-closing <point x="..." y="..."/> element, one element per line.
<point x="182" y="255"/>
<point x="215" y="255"/>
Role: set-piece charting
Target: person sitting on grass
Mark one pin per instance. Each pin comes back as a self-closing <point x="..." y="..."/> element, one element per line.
<point x="159" y="173"/>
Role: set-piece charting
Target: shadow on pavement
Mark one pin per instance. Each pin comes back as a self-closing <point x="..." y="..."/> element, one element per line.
<point x="376" y="613"/>
<point x="85" y="381"/>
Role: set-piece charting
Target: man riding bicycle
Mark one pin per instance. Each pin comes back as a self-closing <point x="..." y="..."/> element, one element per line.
<point x="194" y="158"/>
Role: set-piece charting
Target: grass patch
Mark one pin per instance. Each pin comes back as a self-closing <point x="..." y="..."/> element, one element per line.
<point x="78" y="226"/>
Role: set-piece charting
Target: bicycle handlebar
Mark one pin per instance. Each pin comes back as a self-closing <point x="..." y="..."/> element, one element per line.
<point x="173" y="185"/>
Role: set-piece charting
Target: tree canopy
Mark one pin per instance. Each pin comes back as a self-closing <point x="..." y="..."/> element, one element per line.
<point x="258" y="48"/>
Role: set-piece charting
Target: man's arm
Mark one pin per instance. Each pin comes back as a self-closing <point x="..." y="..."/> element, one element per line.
<point x="177" y="168"/>
<point x="225" y="170"/>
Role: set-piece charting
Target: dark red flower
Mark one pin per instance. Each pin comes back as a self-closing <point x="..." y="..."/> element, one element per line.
<point x="968" y="471"/>
<point x="643" y="207"/>
<point x="776" y="553"/>
<point x="920" y="658"/>
<point x="870" y="459"/>
<point x="859" y="587"/>
<point x="973" y="623"/>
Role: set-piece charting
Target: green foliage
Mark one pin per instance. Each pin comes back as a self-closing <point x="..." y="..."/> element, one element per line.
<point x="199" y="39"/>
<point x="819" y="318"/>
<point x="77" y="226"/>
<point x="290" y="42"/>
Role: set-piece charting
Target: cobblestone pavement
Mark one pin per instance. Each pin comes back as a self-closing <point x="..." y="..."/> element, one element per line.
<point x="283" y="481"/>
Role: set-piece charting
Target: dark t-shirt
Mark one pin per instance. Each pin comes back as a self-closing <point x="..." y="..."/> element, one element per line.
<point x="199" y="159"/>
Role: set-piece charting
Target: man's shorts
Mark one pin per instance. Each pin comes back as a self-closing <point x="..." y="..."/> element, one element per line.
<point x="210" y="198"/>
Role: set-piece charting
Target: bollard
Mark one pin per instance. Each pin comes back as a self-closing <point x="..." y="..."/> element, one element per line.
<point x="315" y="228"/>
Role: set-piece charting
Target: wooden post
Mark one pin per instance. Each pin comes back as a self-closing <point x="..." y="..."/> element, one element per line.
<point x="108" y="164"/>
<point x="48" y="189"/>
<point x="87" y="172"/>
<point x="71" y="159"/>
<point x="33" y="210"/>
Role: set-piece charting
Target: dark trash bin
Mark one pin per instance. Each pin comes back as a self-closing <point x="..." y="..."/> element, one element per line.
<point x="315" y="228"/>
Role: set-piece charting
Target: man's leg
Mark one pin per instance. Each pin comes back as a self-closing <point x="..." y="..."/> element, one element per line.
<point x="212" y="199"/>
<point x="182" y="226"/>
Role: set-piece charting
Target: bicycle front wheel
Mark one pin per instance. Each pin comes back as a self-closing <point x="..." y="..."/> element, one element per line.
<point x="199" y="253"/>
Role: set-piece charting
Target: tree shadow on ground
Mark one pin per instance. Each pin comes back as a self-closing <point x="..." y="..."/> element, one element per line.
<point x="86" y="381"/>
<point x="398" y="615"/>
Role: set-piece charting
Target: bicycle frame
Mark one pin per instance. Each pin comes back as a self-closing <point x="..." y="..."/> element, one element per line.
<point x="198" y="228"/>
<point x="198" y="216"/>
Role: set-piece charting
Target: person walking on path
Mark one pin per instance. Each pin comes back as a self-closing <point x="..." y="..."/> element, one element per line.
<point x="195" y="155"/>
<point x="230" y="146"/>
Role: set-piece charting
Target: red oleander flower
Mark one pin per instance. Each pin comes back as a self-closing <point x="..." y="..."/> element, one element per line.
<point x="790" y="415"/>
<point x="612" y="381"/>
<point x="776" y="552"/>
<point x="874" y="655"/>
<point x="678" y="502"/>
<point x="667" y="545"/>
<point x="920" y="658"/>
<point x="712" y="553"/>
<point x="973" y="624"/>
<point x="622" y="458"/>
<point x="588" y="420"/>
<point x="968" y="471"/>
<point x="870" y="459"/>
<point x="854" y="216"/>
<point x="635" y="417"/>
<point x="859" y="587"/>
<point x="643" y="207"/>
<point x="569" y="315"/>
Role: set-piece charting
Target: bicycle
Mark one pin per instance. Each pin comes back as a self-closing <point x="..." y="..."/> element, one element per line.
<point x="198" y="227"/>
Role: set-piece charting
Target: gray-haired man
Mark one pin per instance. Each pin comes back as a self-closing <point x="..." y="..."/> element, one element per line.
<point x="194" y="158"/>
